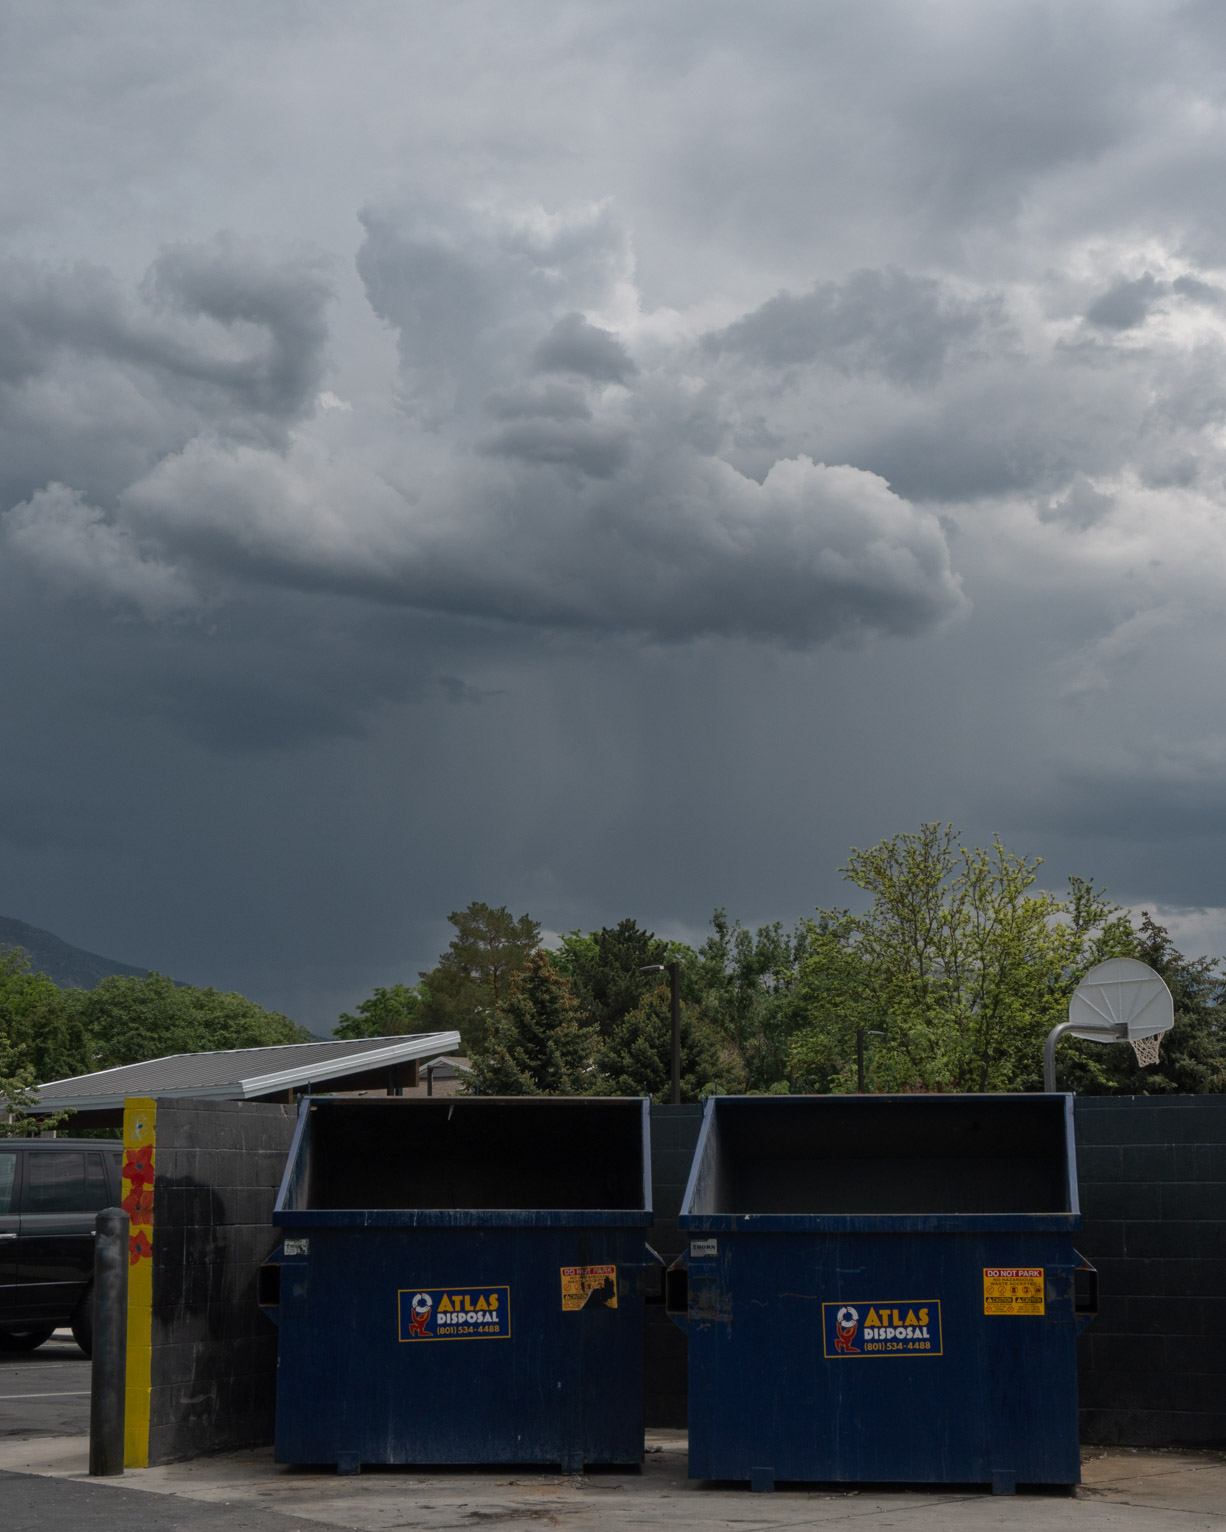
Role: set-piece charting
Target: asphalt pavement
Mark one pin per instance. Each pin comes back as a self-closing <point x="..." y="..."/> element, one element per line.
<point x="45" y="1392"/>
<point x="29" y="1504"/>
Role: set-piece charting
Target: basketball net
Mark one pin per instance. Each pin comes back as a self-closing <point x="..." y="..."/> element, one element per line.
<point x="1146" y="1049"/>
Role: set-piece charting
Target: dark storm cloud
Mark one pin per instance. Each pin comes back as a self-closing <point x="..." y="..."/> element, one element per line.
<point x="1126" y="304"/>
<point x="597" y="452"/>
<point x="553" y="402"/>
<point x="1199" y="292"/>
<point x="1083" y="506"/>
<point x="574" y="345"/>
<point x="521" y="547"/>
<point x="597" y="503"/>
<point x="258" y="361"/>
<point x="97" y="382"/>
<point x="889" y="322"/>
<point x="241" y="285"/>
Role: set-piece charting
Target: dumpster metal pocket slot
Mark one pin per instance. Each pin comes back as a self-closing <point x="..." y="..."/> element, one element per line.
<point x="268" y="1285"/>
<point x="1085" y="1299"/>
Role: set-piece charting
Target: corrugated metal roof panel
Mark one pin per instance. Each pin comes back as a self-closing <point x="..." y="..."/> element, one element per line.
<point x="240" y="1073"/>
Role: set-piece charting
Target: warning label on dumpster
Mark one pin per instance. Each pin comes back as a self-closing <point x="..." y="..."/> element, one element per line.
<point x="1013" y="1290"/>
<point x="589" y="1287"/>
<point x="896" y="1328"/>
<point x="454" y="1313"/>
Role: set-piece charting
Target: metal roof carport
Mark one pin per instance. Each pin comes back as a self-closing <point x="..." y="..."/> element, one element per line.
<point x="248" y="1074"/>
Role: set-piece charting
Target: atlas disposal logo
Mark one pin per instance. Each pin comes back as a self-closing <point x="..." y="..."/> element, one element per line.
<point x="454" y="1313"/>
<point x="846" y="1328"/>
<point x="897" y="1328"/>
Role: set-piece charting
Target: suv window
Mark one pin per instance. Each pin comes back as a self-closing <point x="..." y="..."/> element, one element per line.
<point x="56" y="1182"/>
<point x="97" y="1193"/>
<point x="8" y="1180"/>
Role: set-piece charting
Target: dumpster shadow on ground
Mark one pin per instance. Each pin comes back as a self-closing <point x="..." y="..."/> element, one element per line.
<point x="536" y="1473"/>
<point x="833" y="1490"/>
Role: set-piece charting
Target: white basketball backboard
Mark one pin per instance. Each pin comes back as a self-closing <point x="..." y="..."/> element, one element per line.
<point x="1123" y="994"/>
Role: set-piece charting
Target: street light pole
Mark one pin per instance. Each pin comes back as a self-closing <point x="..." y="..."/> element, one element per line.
<point x="674" y="978"/>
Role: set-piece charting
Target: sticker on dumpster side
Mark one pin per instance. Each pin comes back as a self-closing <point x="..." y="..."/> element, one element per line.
<point x="703" y="1249"/>
<point x="1013" y="1290"/>
<point x="882" y="1329"/>
<point x="454" y="1313"/>
<point x="589" y="1287"/>
<point x="297" y="1247"/>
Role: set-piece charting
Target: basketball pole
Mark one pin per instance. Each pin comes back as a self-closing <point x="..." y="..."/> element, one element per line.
<point x="1110" y="1032"/>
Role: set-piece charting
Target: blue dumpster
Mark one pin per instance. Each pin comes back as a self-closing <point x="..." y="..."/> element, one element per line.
<point x="462" y="1281"/>
<point x="882" y="1289"/>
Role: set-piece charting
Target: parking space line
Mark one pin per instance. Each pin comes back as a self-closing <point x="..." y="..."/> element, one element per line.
<point x="71" y="1393"/>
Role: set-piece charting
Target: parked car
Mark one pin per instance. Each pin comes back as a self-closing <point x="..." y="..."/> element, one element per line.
<point x="50" y="1192"/>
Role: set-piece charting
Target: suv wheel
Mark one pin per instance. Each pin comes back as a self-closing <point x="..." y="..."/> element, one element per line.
<point x="25" y="1340"/>
<point x="82" y="1321"/>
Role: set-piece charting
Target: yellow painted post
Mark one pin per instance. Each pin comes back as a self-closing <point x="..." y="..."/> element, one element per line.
<point x="139" y="1146"/>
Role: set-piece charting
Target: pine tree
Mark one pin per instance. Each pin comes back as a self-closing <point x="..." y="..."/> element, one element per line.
<point x="635" y="1059"/>
<point x="604" y="970"/>
<point x="536" y="1043"/>
<point x="473" y="976"/>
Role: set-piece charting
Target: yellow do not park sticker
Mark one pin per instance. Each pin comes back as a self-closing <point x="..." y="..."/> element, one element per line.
<point x="1013" y="1290"/>
<point x="585" y="1287"/>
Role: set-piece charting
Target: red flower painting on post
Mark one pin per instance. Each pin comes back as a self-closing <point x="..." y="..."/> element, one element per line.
<point x="138" y="1205"/>
<point x="138" y="1166"/>
<point x="137" y="1202"/>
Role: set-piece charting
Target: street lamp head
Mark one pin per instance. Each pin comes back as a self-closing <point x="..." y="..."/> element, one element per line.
<point x="653" y="968"/>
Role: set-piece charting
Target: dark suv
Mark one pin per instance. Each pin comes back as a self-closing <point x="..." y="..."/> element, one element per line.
<point x="50" y="1191"/>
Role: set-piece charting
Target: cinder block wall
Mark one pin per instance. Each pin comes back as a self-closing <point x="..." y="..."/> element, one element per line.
<point x="1153" y="1187"/>
<point x="213" y="1353"/>
<point x="674" y="1133"/>
<point x="1152" y="1171"/>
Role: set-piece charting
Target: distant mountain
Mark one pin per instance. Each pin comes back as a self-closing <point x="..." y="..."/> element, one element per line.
<point x="68" y="966"/>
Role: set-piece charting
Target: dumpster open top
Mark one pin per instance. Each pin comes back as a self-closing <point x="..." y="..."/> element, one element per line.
<point x="455" y="1162"/>
<point x="878" y="1163"/>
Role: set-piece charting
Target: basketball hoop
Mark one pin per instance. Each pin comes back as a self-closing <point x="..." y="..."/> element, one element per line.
<point x="1146" y="1049"/>
<point x="1119" y="1001"/>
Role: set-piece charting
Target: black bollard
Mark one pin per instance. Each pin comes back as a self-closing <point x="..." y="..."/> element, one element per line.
<point x="109" y="1375"/>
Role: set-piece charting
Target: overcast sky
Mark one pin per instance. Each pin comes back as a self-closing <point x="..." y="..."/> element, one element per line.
<point x="600" y="458"/>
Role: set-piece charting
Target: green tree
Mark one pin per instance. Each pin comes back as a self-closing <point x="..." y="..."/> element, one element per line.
<point x="833" y="997"/>
<point x="536" y="1043"/>
<point x="603" y="968"/>
<point x="43" y="1036"/>
<point x="38" y="1042"/>
<point x="393" y="1011"/>
<point x="128" y="1019"/>
<point x="745" y="983"/>
<point x="635" y="1058"/>
<point x="964" y="965"/>
<point x="464" y="990"/>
